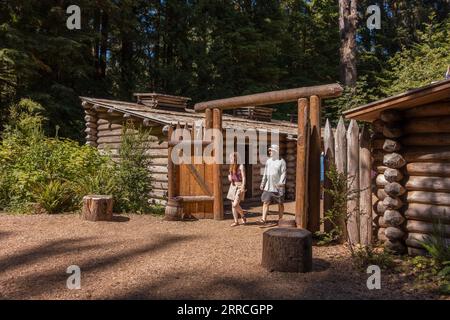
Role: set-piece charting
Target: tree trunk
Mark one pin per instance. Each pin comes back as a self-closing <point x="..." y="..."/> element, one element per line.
<point x="97" y="208"/>
<point x="348" y="18"/>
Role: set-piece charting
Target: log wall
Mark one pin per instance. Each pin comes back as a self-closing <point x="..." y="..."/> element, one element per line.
<point x="411" y="187"/>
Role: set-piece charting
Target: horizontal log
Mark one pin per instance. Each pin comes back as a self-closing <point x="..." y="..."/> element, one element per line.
<point x="417" y="226"/>
<point x="394" y="233"/>
<point x="196" y="198"/>
<point x="90" y="112"/>
<point x="378" y="126"/>
<point x="159" y="185"/>
<point x="426" y="139"/>
<point x="392" y="202"/>
<point x="428" y="125"/>
<point x="428" y="212"/>
<point x="92" y="125"/>
<point x="380" y="208"/>
<point x="381" y="194"/>
<point x="435" y="184"/>
<point x="91" y="131"/>
<point x="427" y="154"/>
<point x="435" y="198"/>
<point x="109" y="126"/>
<point x="381" y="181"/>
<point x="393" y="175"/>
<point x="391" y="145"/>
<point x="394" y="189"/>
<point x="429" y="110"/>
<point x="429" y="169"/>
<point x="416" y="239"/>
<point x="274" y="97"/>
<point x="391" y="116"/>
<point x="157" y="168"/>
<point x="393" y="218"/>
<point x="394" y="160"/>
<point x="396" y="246"/>
<point x="380" y="234"/>
<point x="392" y="132"/>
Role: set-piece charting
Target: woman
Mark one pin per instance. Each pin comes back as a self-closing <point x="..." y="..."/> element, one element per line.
<point x="237" y="188"/>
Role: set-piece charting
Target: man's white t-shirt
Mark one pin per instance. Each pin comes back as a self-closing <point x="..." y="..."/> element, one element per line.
<point x="274" y="175"/>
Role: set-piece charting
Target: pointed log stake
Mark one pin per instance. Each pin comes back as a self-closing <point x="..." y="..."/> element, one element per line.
<point x="328" y="140"/>
<point x="314" y="166"/>
<point x="341" y="147"/>
<point x="217" y="172"/>
<point x="353" y="182"/>
<point x="365" y="200"/>
<point x="301" y="203"/>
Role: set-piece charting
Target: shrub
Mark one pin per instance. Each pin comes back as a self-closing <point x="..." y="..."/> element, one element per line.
<point x="133" y="178"/>
<point x="436" y="245"/>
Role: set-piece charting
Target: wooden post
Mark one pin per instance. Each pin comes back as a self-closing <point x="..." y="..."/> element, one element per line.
<point x="301" y="188"/>
<point x="340" y="154"/>
<point x="365" y="200"/>
<point x="217" y="171"/>
<point x="314" y="167"/>
<point x="328" y="142"/>
<point x="171" y="176"/>
<point x="353" y="182"/>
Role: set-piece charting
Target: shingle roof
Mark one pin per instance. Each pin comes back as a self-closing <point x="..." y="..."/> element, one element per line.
<point x="188" y="117"/>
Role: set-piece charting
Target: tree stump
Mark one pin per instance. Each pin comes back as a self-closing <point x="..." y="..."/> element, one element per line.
<point x="287" y="250"/>
<point x="97" y="208"/>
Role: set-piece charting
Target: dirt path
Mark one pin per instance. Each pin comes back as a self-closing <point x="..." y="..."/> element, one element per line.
<point x="143" y="257"/>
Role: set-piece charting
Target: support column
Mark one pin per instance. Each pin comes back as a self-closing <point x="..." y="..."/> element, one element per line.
<point x="217" y="167"/>
<point x="171" y="176"/>
<point x="314" y="166"/>
<point x="301" y="188"/>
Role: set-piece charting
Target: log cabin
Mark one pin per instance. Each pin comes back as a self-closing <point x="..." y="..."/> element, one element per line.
<point x="411" y="163"/>
<point x="105" y="120"/>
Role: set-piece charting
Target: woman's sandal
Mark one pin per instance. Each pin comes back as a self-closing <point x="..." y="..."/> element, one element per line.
<point x="244" y="219"/>
<point x="235" y="224"/>
<point x="262" y="221"/>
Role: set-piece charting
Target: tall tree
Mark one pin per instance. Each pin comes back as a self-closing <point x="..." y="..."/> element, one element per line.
<point x="348" y="20"/>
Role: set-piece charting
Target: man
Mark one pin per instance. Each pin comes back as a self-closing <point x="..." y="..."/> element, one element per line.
<point x="273" y="182"/>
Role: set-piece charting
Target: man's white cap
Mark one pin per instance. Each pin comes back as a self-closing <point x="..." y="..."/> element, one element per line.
<point x="275" y="147"/>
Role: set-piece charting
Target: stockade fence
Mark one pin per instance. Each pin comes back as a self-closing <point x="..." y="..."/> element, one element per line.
<point x="349" y="151"/>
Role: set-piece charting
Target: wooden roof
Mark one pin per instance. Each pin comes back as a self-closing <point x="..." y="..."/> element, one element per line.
<point x="412" y="98"/>
<point x="166" y="117"/>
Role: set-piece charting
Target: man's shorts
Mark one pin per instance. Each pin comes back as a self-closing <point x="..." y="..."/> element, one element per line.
<point x="272" y="197"/>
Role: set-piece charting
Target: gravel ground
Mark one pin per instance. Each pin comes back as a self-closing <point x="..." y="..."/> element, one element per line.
<point x="144" y="257"/>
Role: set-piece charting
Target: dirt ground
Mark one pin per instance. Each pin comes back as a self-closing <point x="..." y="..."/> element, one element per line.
<point x="144" y="257"/>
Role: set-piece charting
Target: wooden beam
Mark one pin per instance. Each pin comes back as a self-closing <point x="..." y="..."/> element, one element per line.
<point x="365" y="177"/>
<point x="217" y="168"/>
<point x="171" y="170"/>
<point x="314" y="166"/>
<point x="196" y="198"/>
<point x="273" y="97"/>
<point x="301" y="188"/>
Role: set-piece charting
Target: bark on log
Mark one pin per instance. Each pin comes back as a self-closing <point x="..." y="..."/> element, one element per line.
<point x="287" y="250"/>
<point x="393" y="175"/>
<point x="314" y="166"/>
<point x="427" y="212"/>
<point x="391" y="145"/>
<point x="392" y="132"/>
<point x="394" y="233"/>
<point x="416" y="239"/>
<point x="274" y="97"/>
<point x="428" y="125"/>
<point x="426" y="139"/>
<point x="391" y="115"/>
<point x="394" y="160"/>
<point x="430" y="169"/>
<point x="435" y="198"/>
<point x="429" y="110"/>
<point x="396" y="246"/>
<point x="430" y="154"/>
<point x="97" y="208"/>
<point x="417" y="226"/>
<point x="353" y="182"/>
<point x="392" y="203"/>
<point x="435" y="184"/>
<point x="365" y="194"/>
<point x="393" y="218"/>
<point x="394" y="189"/>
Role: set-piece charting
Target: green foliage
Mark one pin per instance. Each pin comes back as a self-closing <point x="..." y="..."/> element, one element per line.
<point x="133" y="178"/>
<point x="428" y="272"/>
<point x="437" y="245"/>
<point x="363" y="256"/>
<point x="338" y="211"/>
